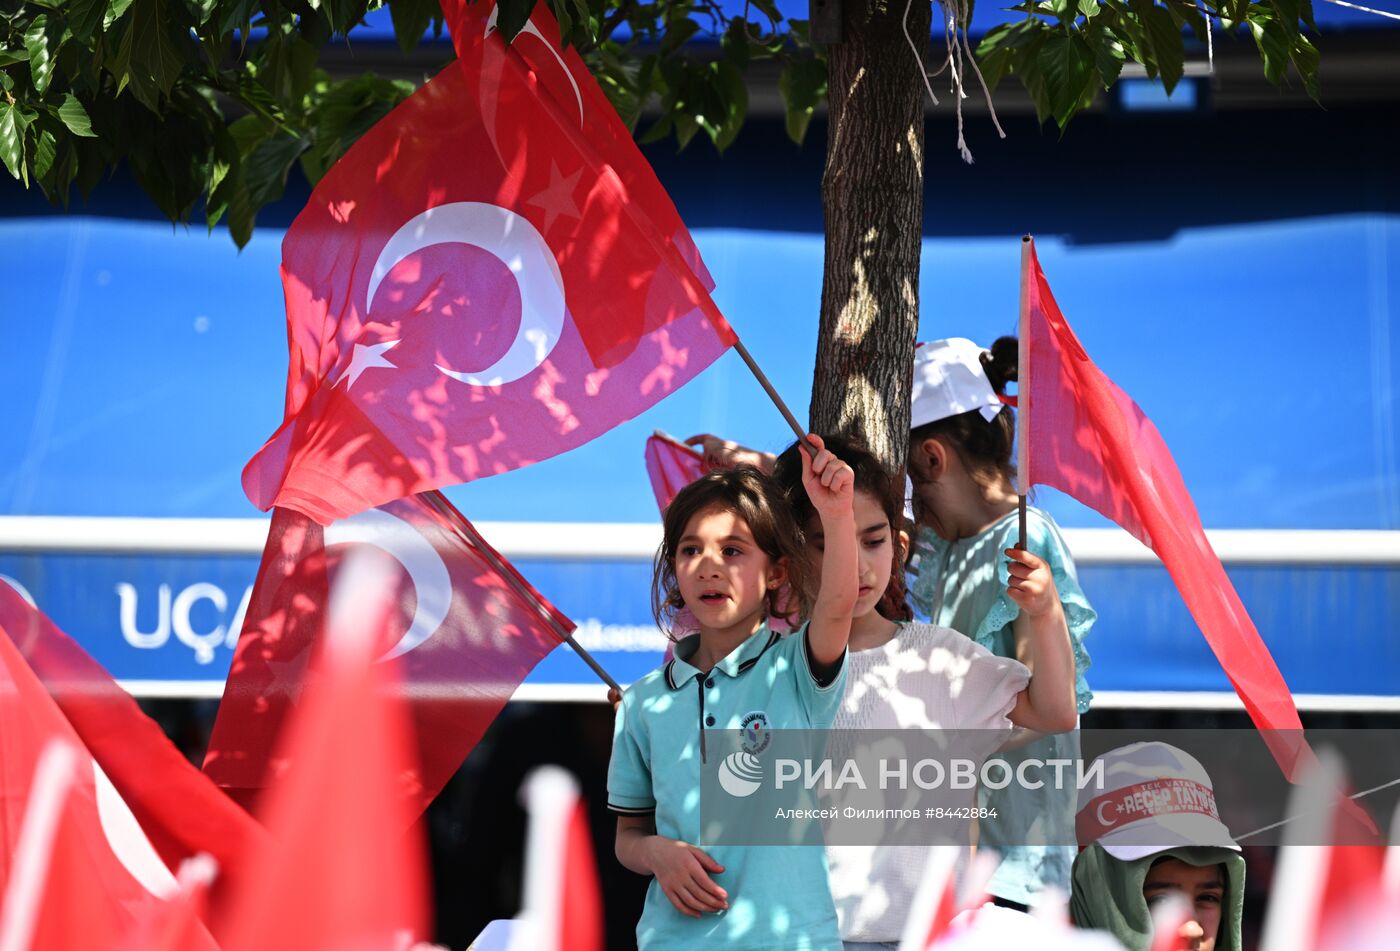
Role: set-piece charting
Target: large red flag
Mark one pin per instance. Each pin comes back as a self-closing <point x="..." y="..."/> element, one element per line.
<point x="1083" y="435"/>
<point x="465" y="626"/>
<point x="76" y="869"/>
<point x="179" y="810"/>
<point x="671" y="466"/>
<point x="340" y="872"/>
<point x="486" y="279"/>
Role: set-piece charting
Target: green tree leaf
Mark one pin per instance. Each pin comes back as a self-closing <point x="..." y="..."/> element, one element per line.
<point x="116" y="9"/>
<point x="411" y="20"/>
<point x="803" y="85"/>
<point x="734" y="95"/>
<point x="75" y="117"/>
<point x="1163" y="38"/>
<point x="12" y="126"/>
<point x="1275" y="49"/>
<point x="1305" y="59"/>
<point x="1067" y="64"/>
<point x="45" y="148"/>
<point x="84" y="16"/>
<point x="148" y="57"/>
<point x="42" y="41"/>
<point x="511" y="17"/>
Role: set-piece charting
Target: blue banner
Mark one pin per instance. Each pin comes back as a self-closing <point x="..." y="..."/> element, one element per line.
<point x="175" y="619"/>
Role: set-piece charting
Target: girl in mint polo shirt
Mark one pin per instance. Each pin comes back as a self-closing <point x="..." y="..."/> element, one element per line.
<point x="729" y="544"/>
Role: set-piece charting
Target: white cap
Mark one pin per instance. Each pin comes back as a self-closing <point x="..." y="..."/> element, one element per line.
<point x="949" y="380"/>
<point x="1149" y="797"/>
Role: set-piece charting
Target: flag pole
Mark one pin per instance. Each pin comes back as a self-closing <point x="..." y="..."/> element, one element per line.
<point x="773" y="395"/>
<point x="1023" y="391"/>
<point x="507" y="572"/>
<point x="593" y="665"/>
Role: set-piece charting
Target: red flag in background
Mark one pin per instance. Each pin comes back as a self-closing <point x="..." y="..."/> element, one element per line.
<point x="484" y="280"/>
<point x="76" y="869"/>
<point x="563" y="902"/>
<point x="179" y="810"/>
<point x="1081" y="434"/>
<point x="671" y="465"/>
<point x="341" y="872"/>
<point x="1328" y="878"/>
<point x="465" y="627"/>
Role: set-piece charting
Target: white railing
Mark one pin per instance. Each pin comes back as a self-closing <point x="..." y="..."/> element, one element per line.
<point x="637" y="541"/>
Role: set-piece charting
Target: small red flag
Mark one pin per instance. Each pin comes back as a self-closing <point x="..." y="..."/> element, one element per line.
<point x="1081" y="434"/>
<point x="671" y="465"/>
<point x="76" y="869"/>
<point x="465" y="627"/>
<point x="1329" y="874"/>
<point x="340" y="871"/>
<point x="563" y="903"/>
<point x="178" y="808"/>
<point x="486" y="279"/>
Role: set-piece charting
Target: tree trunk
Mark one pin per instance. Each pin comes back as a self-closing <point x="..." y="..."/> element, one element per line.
<point x="872" y="196"/>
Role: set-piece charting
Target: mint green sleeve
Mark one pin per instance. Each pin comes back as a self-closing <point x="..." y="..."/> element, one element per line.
<point x="1043" y="539"/>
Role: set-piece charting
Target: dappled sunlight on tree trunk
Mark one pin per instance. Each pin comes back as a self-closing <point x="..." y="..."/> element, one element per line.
<point x="872" y="194"/>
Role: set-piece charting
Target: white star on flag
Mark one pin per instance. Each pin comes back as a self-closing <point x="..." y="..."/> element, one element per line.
<point x="558" y="198"/>
<point x="366" y="358"/>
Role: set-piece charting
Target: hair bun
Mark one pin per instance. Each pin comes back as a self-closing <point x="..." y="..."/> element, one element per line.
<point x="1001" y="364"/>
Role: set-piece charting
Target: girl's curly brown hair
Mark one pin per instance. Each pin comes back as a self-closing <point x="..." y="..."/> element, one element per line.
<point x="752" y="496"/>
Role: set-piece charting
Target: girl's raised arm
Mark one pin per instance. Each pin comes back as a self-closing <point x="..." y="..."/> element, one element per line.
<point x="830" y="484"/>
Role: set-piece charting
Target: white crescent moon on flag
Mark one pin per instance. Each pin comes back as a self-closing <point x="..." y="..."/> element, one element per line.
<point x="418" y="557"/>
<point x="1102" y="820"/>
<point x="520" y="247"/>
<point x="533" y="30"/>
<point x="128" y="841"/>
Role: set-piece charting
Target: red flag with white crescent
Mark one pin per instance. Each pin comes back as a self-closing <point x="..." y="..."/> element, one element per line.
<point x="490" y="276"/>
<point x="465" y="627"/>
<point x="178" y="809"/>
<point x="346" y="867"/>
<point x="77" y="870"/>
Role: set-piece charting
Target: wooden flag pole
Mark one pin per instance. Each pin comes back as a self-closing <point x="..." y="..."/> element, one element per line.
<point x="773" y="395"/>
<point x="1023" y="391"/>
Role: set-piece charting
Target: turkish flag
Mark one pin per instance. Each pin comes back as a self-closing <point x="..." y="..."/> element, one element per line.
<point x="76" y="869"/>
<point x="484" y="280"/>
<point x="179" y="810"/>
<point x="1080" y="433"/>
<point x="563" y="902"/>
<point x="346" y="867"/>
<point x="672" y="466"/>
<point x="465" y="627"/>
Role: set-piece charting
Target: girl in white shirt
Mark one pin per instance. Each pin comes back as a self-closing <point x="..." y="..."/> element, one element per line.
<point x="903" y="675"/>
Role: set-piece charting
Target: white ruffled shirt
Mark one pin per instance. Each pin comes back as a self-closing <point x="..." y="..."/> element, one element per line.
<point x="924" y="678"/>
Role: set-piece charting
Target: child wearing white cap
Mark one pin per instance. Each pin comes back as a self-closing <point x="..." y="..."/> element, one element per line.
<point x="965" y="504"/>
<point x="1151" y="829"/>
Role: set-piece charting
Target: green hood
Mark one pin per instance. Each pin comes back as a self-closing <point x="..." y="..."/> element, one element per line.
<point x="1107" y="893"/>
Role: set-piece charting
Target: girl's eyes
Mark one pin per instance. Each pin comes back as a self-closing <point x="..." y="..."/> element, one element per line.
<point x="690" y="550"/>
<point x="731" y="552"/>
<point x="875" y="542"/>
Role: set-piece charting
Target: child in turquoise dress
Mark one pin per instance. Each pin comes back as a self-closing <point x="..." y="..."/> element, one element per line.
<point x="965" y="505"/>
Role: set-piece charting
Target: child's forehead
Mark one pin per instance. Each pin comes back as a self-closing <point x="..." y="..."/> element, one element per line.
<point x="717" y="520"/>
